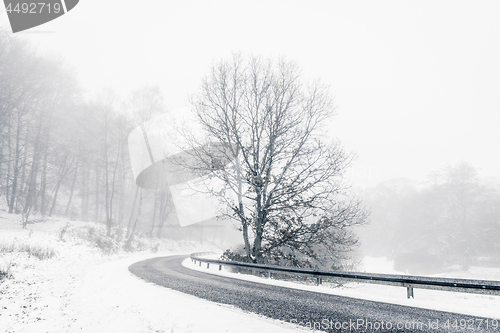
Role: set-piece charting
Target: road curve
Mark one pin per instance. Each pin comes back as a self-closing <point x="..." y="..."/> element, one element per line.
<point x="325" y="312"/>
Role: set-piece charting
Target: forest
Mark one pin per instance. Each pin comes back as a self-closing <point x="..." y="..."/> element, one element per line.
<point x="451" y="220"/>
<point x="63" y="153"/>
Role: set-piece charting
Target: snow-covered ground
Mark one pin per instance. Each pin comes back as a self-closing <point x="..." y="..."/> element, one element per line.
<point x="463" y="303"/>
<point x="82" y="290"/>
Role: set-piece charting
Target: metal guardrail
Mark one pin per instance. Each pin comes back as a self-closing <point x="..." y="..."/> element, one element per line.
<point x="488" y="287"/>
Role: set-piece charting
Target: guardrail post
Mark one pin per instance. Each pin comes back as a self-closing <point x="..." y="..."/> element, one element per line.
<point x="220" y="267"/>
<point x="200" y="263"/>
<point x="208" y="264"/>
<point x="319" y="281"/>
<point x="409" y="292"/>
<point x="268" y="274"/>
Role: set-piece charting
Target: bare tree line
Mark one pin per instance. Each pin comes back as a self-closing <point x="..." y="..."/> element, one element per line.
<point x="450" y="219"/>
<point x="62" y="154"/>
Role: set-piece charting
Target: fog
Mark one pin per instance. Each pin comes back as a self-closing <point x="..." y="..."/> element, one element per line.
<point x="415" y="86"/>
<point x="451" y="220"/>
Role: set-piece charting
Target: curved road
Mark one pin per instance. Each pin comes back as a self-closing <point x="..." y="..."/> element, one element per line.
<point x="328" y="313"/>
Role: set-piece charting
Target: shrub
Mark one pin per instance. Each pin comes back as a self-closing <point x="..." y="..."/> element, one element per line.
<point x="38" y="251"/>
<point x="63" y="231"/>
<point x="5" y="271"/>
<point x="95" y="236"/>
<point x="103" y="242"/>
<point x="229" y="255"/>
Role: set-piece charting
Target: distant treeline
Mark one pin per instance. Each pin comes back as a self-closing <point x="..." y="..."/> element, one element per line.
<point x="452" y="219"/>
<point x="63" y="154"/>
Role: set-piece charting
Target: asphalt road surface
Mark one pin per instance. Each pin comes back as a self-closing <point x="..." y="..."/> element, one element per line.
<point x="323" y="312"/>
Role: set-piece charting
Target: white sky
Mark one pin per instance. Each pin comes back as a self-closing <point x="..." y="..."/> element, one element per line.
<point x="416" y="82"/>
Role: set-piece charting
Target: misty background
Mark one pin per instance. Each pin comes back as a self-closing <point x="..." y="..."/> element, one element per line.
<point x="416" y="86"/>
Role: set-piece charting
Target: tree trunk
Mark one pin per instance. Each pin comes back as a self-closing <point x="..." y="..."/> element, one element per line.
<point x="43" y="187"/>
<point x="154" y="215"/>
<point x="72" y="190"/>
<point x="257" y="245"/>
<point x="106" y="188"/>
<point x="16" y="168"/>
<point x="32" y="188"/>
<point x="9" y="163"/>
<point x="132" y="213"/>
<point x="22" y="185"/>
<point x="1" y="163"/>
<point x="58" y="185"/>
<point x="241" y="210"/>
<point x="85" y="192"/>
<point x="30" y="196"/>
<point x="165" y="209"/>
<point x="131" y="235"/>
<point x="96" y="214"/>
<point x="109" y="221"/>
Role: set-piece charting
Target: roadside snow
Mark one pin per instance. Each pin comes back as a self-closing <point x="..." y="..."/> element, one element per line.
<point x="463" y="303"/>
<point x="82" y="290"/>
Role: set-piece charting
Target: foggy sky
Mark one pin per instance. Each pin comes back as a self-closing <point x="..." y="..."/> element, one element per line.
<point x="416" y="83"/>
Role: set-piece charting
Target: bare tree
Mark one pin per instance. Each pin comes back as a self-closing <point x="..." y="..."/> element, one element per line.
<point x="264" y="138"/>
